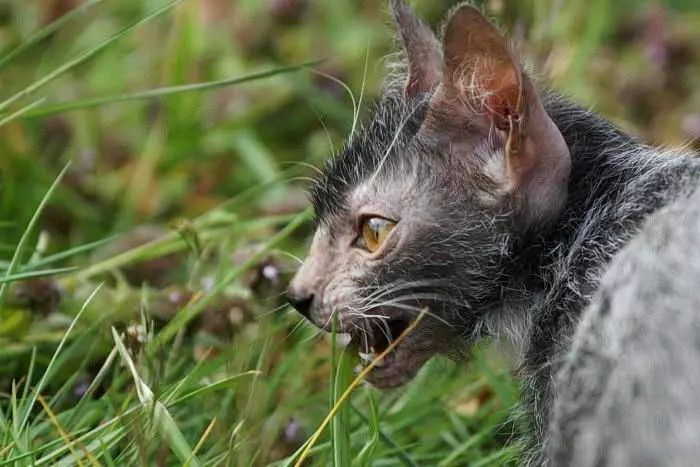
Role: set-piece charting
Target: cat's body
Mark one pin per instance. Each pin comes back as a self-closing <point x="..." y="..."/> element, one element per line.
<point x="617" y="188"/>
<point x="499" y="208"/>
<point x="627" y="394"/>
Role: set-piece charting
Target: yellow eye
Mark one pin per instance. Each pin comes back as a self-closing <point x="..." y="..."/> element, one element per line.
<point x="374" y="231"/>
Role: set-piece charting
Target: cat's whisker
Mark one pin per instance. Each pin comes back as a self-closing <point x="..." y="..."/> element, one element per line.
<point x="355" y="108"/>
<point x="365" y="320"/>
<point x="364" y="335"/>
<point x="275" y="310"/>
<point x="434" y="297"/>
<point x="440" y="296"/>
<point x="361" y="314"/>
<point x="319" y="333"/>
<point x="328" y="137"/>
<point x="393" y="288"/>
<point x="397" y="304"/>
<point x="301" y="178"/>
<point x="296" y="327"/>
<point x="303" y="164"/>
<point x="386" y="330"/>
<point x="292" y="256"/>
<point x="358" y="109"/>
<point x="330" y="318"/>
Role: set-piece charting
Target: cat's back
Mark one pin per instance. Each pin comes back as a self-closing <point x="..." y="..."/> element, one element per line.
<point x="629" y="392"/>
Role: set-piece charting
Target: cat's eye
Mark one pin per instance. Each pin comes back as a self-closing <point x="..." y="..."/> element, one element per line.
<point x="373" y="232"/>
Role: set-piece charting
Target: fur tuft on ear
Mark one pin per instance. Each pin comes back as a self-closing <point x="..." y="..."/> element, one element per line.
<point x="422" y="50"/>
<point x="479" y="62"/>
<point x="484" y="99"/>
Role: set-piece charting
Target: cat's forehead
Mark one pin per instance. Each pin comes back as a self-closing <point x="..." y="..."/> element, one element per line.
<point x="375" y="149"/>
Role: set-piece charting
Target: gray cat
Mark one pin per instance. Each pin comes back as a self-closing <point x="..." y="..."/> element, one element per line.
<point x="507" y="211"/>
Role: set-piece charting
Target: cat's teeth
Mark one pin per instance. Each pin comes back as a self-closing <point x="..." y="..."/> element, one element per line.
<point x="367" y="357"/>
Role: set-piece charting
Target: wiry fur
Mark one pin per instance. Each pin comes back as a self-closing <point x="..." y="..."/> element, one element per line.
<point x="627" y="392"/>
<point x="482" y="272"/>
<point x="615" y="184"/>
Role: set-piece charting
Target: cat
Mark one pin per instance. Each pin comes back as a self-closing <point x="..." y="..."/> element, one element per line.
<point x="508" y="211"/>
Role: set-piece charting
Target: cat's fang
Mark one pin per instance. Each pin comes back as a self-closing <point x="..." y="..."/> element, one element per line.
<point x="366" y="357"/>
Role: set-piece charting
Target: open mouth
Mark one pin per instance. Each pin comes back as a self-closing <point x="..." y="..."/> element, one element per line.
<point x="401" y="364"/>
<point x="375" y="338"/>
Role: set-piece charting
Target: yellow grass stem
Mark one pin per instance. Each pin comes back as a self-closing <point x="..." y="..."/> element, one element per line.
<point x="358" y="379"/>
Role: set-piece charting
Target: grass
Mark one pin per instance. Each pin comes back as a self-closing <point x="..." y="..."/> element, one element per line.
<point x="153" y="160"/>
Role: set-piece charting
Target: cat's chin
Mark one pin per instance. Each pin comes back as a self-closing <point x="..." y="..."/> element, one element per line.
<point x="398" y="368"/>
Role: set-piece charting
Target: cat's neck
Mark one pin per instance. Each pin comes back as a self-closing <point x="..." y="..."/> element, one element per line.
<point x="615" y="183"/>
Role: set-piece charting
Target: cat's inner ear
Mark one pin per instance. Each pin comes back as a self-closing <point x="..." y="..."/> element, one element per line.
<point x="479" y="66"/>
<point x="481" y="77"/>
<point x="485" y="99"/>
<point x="422" y="50"/>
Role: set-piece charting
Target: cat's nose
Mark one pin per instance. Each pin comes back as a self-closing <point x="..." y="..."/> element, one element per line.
<point x="301" y="302"/>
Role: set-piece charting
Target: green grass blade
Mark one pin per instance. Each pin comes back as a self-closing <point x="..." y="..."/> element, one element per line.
<point x="222" y="384"/>
<point x="16" y="258"/>
<point x="365" y="456"/>
<point x="14" y="403"/>
<point x="20" y="276"/>
<point x="84" y="56"/>
<point x="501" y="457"/>
<point x="161" y="417"/>
<point x="164" y="91"/>
<point x="47" y="374"/>
<point x="21" y="111"/>
<point x="96" y="381"/>
<point x="67" y="254"/>
<point x="596" y="25"/>
<point x="400" y="453"/>
<point x="105" y="431"/>
<point x="255" y="155"/>
<point x="453" y="459"/>
<point x="30" y="374"/>
<point x="187" y="314"/>
<point x="341" y="375"/>
<point x="46" y="31"/>
<point x="5" y="431"/>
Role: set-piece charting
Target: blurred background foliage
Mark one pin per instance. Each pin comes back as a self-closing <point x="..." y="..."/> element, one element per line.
<point x="176" y="192"/>
<point x="161" y="158"/>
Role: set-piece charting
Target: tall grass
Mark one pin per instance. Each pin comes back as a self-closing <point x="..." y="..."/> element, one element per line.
<point x="153" y="156"/>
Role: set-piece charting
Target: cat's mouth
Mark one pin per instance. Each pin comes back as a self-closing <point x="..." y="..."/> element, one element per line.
<point x="401" y="363"/>
<point x="374" y="341"/>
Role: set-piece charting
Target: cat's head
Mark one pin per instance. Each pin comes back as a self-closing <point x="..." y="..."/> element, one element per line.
<point x="420" y="209"/>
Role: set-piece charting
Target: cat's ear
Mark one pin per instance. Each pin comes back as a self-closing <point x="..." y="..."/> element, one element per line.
<point x="485" y="98"/>
<point x="422" y="50"/>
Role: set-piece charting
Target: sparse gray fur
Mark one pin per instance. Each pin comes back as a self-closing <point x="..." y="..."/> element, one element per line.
<point x="627" y="392"/>
<point x="611" y="366"/>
